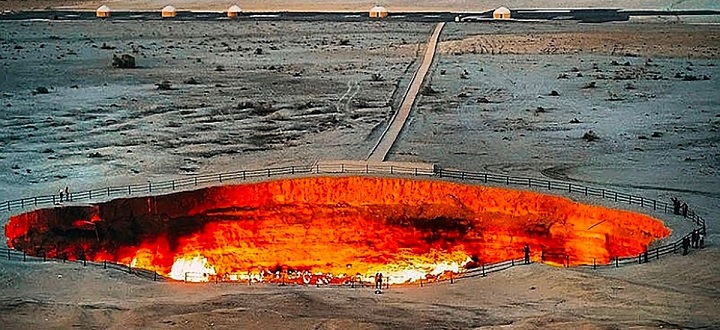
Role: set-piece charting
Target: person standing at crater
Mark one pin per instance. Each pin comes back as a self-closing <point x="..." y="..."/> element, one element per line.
<point x="685" y="245"/>
<point x="527" y="254"/>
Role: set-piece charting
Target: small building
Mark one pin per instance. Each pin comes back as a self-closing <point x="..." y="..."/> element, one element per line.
<point x="378" y="12"/>
<point x="168" y="11"/>
<point x="103" y="12"/>
<point x="501" y="13"/>
<point x="234" y="11"/>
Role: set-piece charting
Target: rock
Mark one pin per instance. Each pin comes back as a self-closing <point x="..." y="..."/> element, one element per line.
<point x="589" y="85"/>
<point x="642" y="137"/>
<point x="165" y="85"/>
<point x="590" y="136"/>
<point x="94" y="155"/>
<point x="41" y="90"/>
<point x="192" y="81"/>
<point x="124" y="61"/>
<point x="554" y="93"/>
<point x="657" y="134"/>
<point x="574" y="121"/>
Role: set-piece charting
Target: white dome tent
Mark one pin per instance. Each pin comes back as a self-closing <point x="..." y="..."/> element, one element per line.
<point x="168" y="12"/>
<point x="103" y="12"/>
<point x="378" y="12"/>
<point x="234" y="11"/>
<point x="501" y="13"/>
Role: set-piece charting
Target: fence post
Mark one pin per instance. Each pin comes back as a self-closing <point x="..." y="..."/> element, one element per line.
<point x="594" y="264"/>
<point x="104" y="264"/>
<point x="292" y="169"/>
<point x="462" y="176"/>
<point x="22" y="203"/>
<point x="654" y="204"/>
<point x="617" y="262"/>
<point x="53" y="202"/>
<point x="243" y="175"/>
<point x="639" y="258"/>
<point x="657" y="254"/>
<point x="90" y="194"/>
<point x="615" y="196"/>
<point x="149" y="187"/>
<point x="529" y="182"/>
<point x="155" y="275"/>
<point x="585" y="191"/>
<point x="507" y="180"/>
<point x="8" y="252"/>
<point x="567" y="260"/>
<point x="642" y="201"/>
<point x="268" y="173"/>
<point x="129" y="269"/>
<point x="451" y="279"/>
<point x="8" y="203"/>
<point x="342" y="168"/>
<point x="35" y="201"/>
<point x="24" y="256"/>
<point x="391" y="172"/>
<point x="367" y="169"/>
<point x="84" y="261"/>
<point x="196" y="181"/>
<point x="665" y="208"/>
<point x="485" y="179"/>
<point x="416" y="171"/>
<point x="603" y="192"/>
<point x="173" y="184"/>
<point x="220" y="177"/>
<point x="421" y="283"/>
<point x="569" y="187"/>
<point x="44" y="257"/>
<point x="483" y="270"/>
<point x="440" y="172"/>
<point x="129" y="190"/>
<point x="108" y="193"/>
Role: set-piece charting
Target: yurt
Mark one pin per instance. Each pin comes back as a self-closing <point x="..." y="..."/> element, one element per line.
<point x="168" y="12"/>
<point x="103" y="12"/>
<point x="234" y="11"/>
<point x="378" y="12"/>
<point x="501" y="13"/>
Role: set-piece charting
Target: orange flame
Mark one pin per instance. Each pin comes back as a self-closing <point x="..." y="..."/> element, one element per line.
<point x="335" y="229"/>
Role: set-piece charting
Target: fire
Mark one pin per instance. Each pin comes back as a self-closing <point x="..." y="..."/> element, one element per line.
<point x="333" y="230"/>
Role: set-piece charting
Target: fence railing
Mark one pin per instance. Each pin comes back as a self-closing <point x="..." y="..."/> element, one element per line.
<point x="375" y="169"/>
<point x="15" y="255"/>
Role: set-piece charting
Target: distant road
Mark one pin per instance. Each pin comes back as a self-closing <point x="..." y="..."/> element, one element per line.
<point x="391" y="133"/>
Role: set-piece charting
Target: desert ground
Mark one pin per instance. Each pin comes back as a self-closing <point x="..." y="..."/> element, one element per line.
<point x="246" y="94"/>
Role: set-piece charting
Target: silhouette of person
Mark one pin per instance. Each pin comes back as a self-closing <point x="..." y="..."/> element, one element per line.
<point x="67" y="193"/>
<point x="684" y="209"/>
<point x="527" y="254"/>
<point x="380" y="280"/>
<point x="676" y="205"/>
<point x="62" y="194"/>
<point x="685" y="245"/>
<point x="701" y="240"/>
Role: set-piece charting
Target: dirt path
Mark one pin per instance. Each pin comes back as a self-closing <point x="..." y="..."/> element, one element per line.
<point x="381" y="149"/>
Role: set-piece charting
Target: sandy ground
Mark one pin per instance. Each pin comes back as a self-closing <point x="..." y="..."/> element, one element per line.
<point x="488" y="108"/>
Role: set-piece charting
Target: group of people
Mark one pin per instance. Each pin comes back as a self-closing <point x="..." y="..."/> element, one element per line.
<point x="695" y="240"/>
<point x="64" y="194"/>
<point x="378" y="281"/>
<point x="679" y="207"/>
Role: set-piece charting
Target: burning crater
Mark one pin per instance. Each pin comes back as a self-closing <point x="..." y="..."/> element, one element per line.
<point x="332" y="229"/>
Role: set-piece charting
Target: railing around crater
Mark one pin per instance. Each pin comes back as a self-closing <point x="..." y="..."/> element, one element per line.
<point x="15" y="255"/>
<point x="376" y="169"/>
